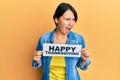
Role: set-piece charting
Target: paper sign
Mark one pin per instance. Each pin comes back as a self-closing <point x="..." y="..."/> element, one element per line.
<point x="61" y="50"/>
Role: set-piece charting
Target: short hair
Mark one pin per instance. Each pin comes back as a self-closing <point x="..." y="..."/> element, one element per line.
<point x="62" y="8"/>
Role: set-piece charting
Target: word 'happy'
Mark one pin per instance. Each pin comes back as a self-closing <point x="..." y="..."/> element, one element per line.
<point x="62" y="48"/>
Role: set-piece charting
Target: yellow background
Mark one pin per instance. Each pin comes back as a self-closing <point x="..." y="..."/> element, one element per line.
<point x="22" y="22"/>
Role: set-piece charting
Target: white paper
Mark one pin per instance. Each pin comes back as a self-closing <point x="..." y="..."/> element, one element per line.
<point x="61" y="50"/>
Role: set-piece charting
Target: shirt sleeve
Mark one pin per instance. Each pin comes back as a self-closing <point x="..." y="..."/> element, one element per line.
<point x="39" y="48"/>
<point x="79" y="64"/>
<point x="35" y="65"/>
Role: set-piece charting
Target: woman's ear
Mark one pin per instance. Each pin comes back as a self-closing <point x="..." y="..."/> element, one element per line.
<point x="56" y="20"/>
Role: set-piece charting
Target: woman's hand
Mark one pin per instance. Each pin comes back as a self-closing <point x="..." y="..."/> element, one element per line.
<point x="37" y="55"/>
<point x="85" y="55"/>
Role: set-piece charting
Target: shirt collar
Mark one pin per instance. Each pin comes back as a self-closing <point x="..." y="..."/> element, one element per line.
<point x="70" y="36"/>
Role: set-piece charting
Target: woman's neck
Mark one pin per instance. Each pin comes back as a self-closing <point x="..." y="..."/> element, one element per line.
<point x="59" y="34"/>
<point x="60" y="38"/>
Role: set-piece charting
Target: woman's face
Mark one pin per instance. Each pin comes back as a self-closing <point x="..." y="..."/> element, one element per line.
<point x="65" y="23"/>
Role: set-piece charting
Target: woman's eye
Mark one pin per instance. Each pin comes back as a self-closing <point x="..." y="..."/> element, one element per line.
<point x="67" y="19"/>
<point x="73" y="19"/>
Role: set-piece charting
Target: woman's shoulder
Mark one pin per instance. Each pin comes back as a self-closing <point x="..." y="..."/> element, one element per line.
<point x="47" y="36"/>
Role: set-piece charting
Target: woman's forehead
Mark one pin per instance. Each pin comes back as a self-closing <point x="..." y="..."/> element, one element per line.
<point x="69" y="14"/>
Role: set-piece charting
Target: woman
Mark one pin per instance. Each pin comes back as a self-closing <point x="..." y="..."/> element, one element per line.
<point x="62" y="68"/>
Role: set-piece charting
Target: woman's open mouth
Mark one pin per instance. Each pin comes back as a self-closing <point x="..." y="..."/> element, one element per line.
<point x="68" y="29"/>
